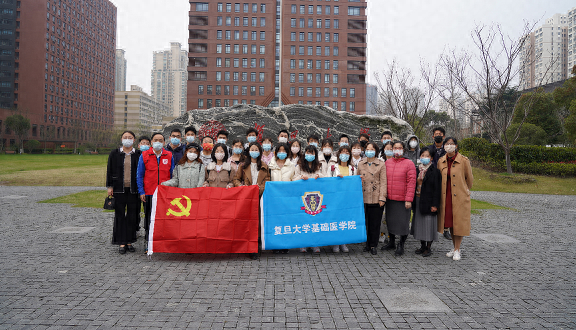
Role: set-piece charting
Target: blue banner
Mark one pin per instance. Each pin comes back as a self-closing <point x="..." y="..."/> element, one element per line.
<point x="313" y="212"/>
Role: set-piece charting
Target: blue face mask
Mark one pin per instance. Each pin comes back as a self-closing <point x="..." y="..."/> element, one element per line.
<point x="385" y="141"/>
<point x="315" y="144"/>
<point x="389" y="153"/>
<point x="223" y="141"/>
<point x="310" y="158"/>
<point x="189" y="139"/>
<point x="370" y="153"/>
<point x="343" y="144"/>
<point x="254" y="154"/>
<point x="251" y="139"/>
<point x="267" y="146"/>
<point x="344" y="157"/>
<point x="281" y="155"/>
<point x="425" y="161"/>
<point x="238" y="150"/>
<point x="157" y="146"/>
<point x="175" y="141"/>
<point x="144" y="147"/>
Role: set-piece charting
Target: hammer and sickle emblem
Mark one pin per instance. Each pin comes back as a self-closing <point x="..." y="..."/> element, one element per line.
<point x="184" y="211"/>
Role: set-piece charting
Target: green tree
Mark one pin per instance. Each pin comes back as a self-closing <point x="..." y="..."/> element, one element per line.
<point x="570" y="123"/>
<point x="563" y="96"/>
<point x="542" y="112"/>
<point x="31" y="145"/>
<point x="530" y="134"/>
<point x="20" y="125"/>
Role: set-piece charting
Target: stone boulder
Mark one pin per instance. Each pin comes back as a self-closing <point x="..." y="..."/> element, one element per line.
<point x="299" y="120"/>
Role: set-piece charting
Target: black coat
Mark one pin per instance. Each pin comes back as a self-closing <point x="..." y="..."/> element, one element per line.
<point x="431" y="190"/>
<point x="115" y="172"/>
<point x="177" y="153"/>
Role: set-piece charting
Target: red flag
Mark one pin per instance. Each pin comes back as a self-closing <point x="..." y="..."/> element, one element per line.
<point x="204" y="220"/>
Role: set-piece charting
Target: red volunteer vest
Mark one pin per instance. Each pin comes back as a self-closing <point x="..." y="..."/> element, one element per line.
<point x="156" y="171"/>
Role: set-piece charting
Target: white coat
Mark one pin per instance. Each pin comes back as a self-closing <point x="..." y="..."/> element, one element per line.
<point x="286" y="173"/>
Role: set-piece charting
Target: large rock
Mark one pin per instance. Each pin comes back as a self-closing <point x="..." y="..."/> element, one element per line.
<point x="300" y="120"/>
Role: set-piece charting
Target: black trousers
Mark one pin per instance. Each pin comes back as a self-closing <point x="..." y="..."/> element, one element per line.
<point x="147" y="215"/>
<point x="126" y="213"/>
<point x="373" y="214"/>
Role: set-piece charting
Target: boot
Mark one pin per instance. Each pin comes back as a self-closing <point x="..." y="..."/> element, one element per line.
<point x="391" y="243"/>
<point x="428" y="251"/>
<point x="400" y="247"/>
<point x="422" y="247"/>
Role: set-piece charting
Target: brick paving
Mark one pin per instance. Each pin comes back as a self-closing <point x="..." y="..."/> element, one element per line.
<point x="60" y="280"/>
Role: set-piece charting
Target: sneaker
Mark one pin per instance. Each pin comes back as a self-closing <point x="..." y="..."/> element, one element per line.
<point x="456" y="255"/>
<point x="344" y="248"/>
<point x="450" y="254"/>
<point x="303" y="250"/>
<point x="336" y="248"/>
<point x="316" y="249"/>
<point x="447" y="235"/>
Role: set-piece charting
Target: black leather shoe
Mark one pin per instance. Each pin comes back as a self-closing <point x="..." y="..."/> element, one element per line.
<point x="285" y="251"/>
<point x="122" y="249"/>
<point x="390" y="246"/>
<point x="373" y="251"/>
<point x="427" y="253"/>
<point x="130" y="248"/>
<point x="420" y="251"/>
<point x="447" y="235"/>
<point x="366" y="249"/>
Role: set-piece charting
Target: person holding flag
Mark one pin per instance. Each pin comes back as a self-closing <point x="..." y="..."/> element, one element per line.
<point x="154" y="167"/>
<point x="190" y="172"/>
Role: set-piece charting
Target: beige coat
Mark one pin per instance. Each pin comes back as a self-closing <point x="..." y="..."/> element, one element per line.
<point x="374" y="185"/>
<point x="326" y="165"/>
<point x="286" y="173"/>
<point x="462" y="179"/>
<point x="244" y="177"/>
<point x="220" y="179"/>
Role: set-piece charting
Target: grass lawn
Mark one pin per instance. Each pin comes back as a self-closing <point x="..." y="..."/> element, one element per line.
<point x="489" y="181"/>
<point x="480" y="205"/>
<point x="91" y="198"/>
<point x="53" y="170"/>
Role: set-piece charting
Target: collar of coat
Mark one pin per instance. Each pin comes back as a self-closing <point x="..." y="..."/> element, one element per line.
<point x="152" y="153"/>
<point x="225" y="166"/>
<point x="457" y="159"/>
<point x="274" y="166"/>
<point x="376" y="161"/>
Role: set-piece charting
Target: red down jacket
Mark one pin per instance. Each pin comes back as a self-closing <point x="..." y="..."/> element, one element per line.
<point x="401" y="178"/>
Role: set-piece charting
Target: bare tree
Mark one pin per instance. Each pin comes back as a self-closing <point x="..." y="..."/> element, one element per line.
<point x="404" y="96"/>
<point x="450" y="92"/>
<point x="487" y="77"/>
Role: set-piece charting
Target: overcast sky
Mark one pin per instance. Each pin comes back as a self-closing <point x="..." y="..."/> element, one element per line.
<point x="406" y="30"/>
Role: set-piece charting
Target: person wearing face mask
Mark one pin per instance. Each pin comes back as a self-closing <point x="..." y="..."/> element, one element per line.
<point x="121" y="183"/>
<point x="357" y="154"/>
<point x="386" y="137"/>
<point x="154" y="167"/>
<point x="412" y="149"/>
<point x="373" y="173"/>
<point x="313" y="140"/>
<point x="455" y="203"/>
<point x="190" y="134"/>
<point x="426" y="203"/>
<point x="309" y="168"/>
<point x="251" y="137"/>
<point x="283" y="136"/>
<point x="401" y="177"/>
<point x="222" y="137"/>
<point x="343" y="140"/>
<point x="144" y="143"/>
<point x="326" y="157"/>
<point x="189" y="172"/>
<point x="207" y="146"/>
<point x="295" y="152"/>
<point x="267" y="153"/>
<point x="363" y="138"/>
<point x="219" y="173"/>
<point x="340" y="169"/>
<point x="237" y="155"/>
<point x="437" y="147"/>
<point x="387" y="152"/>
<point x="175" y="145"/>
<point x="281" y="169"/>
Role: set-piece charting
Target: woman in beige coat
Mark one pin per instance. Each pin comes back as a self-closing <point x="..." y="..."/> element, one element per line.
<point x="455" y="204"/>
<point x="220" y="173"/>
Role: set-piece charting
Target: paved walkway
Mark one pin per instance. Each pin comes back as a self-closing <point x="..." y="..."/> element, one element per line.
<point x="60" y="280"/>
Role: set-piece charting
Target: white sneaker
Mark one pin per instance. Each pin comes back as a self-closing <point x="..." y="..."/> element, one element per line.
<point x="303" y="250"/>
<point x="336" y="248"/>
<point x="344" y="248"/>
<point x="316" y="249"/>
<point x="456" y="255"/>
<point x="450" y="254"/>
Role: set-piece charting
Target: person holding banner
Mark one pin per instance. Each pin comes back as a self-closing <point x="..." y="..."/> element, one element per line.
<point x="309" y="167"/>
<point x="237" y="156"/>
<point x="341" y="169"/>
<point x="401" y="174"/>
<point x="326" y="157"/>
<point x="356" y="148"/>
<point x="190" y="172"/>
<point x="295" y="152"/>
<point x="373" y="173"/>
<point x="219" y="173"/>
<point x="154" y="167"/>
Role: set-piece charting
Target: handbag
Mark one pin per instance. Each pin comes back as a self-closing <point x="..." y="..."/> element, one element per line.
<point x="109" y="203"/>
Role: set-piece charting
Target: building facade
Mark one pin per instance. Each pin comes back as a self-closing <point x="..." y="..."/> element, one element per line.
<point x="120" y="70"/>
<point x="63" y="68"/>
<point x="571" y="41"/>
<point x="277" y="52"/>
<point x="372" y="100"/>
<point x="169" y="78"/>
<point x="137" y="111"/>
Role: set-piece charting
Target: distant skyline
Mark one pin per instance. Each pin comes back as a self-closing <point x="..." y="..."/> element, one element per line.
<point x="407" y="30"/>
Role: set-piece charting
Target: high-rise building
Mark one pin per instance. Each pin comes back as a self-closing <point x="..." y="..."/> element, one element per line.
<point x="544" y="57"/>
<point x="120" y="70"/>
<point x="62" y="73"/>
<point x="371" y="99"/>
<point x="571" y="41"/>
<point x="277" y="52"/>
<point x="169" y="78"/>
<point x="137" y="111"/>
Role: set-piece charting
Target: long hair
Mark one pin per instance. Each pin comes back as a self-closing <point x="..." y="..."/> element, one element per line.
<point x="281" y="145"/>
<point x="340" y="151"/>
<point x="248" y="159"/>
<point x="375" y="146"/>
<point x="224" y="147"/>
<point x="184" y="158"/>
<point x="304" y="164"/>
<point x="290" y="153"/>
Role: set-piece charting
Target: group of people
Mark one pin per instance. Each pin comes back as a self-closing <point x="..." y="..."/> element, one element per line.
<point x="429" y="185"/>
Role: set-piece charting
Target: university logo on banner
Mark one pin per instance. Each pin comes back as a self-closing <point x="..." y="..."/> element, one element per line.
<point x="204" y="220"/>
<point x="314" y="212"/>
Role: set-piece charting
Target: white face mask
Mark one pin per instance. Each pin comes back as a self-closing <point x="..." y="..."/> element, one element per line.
<point x="192" y="155"/>
<point x="413" y="144"/>
<point x="295" y="150"/>
<point x="356" y="152"/>
<point x="398" y="153"/>
<point x="127" y="142"/>
<point x="282" y="139"/>
<point x="327" y="151"/>
<point x="219" y="155"/>
<point x="450" y="148"/>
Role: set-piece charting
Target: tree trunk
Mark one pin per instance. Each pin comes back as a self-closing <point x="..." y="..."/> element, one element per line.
<point x="508" y="161"/>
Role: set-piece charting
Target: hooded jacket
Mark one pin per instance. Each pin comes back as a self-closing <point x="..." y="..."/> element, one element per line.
<point x="412" y="155"/>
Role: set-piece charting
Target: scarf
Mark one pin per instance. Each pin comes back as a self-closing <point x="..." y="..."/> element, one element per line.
<point x="423" y="169"/>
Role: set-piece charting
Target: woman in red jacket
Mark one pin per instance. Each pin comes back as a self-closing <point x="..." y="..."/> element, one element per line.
<point x="401" y="181"/>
